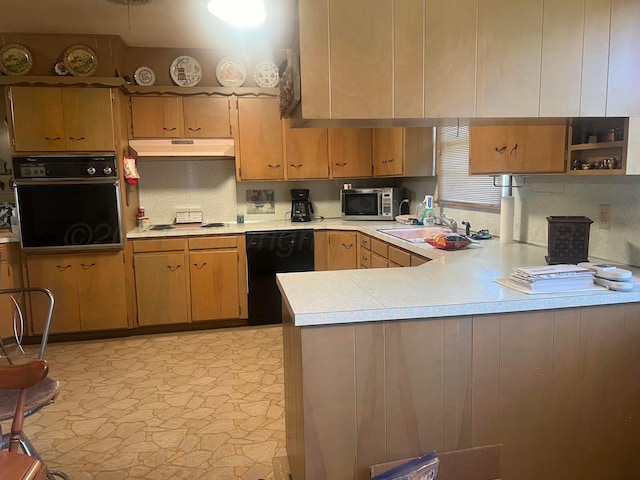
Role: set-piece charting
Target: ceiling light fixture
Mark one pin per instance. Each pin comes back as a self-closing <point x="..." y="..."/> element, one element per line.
<point x="240" y="13"/>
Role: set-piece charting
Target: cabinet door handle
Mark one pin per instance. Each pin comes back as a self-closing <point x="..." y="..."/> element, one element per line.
<point x="76" y="139"/>
<point x="87" y="266"/>
<point x="273" y="166"/>
<point x="200" y="266"/>
<point x="168" y="129"/>
<point x="341" y="164"/>
<point x="501" y="150"/>
<point x="173" y="268"/>
<point x="194" y="129"/>
<point x="296" y="166"/>
<point x="514" y="149"/>
<point x="52" y="139"/>
<point x="390" y="160"/>
<point x="347" y="246"/>
<point x="62" y="268"/>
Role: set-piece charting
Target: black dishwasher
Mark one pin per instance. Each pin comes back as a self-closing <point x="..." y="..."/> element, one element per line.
<point x="268" y="253"/>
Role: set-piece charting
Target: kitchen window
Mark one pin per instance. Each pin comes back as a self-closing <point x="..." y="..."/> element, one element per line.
<point x="455" y="186"/>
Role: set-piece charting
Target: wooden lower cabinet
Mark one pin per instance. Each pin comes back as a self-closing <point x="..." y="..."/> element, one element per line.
<point x="7" y="280"/>
<point x="213" y="273"/>
<point x="183" y="280"/>
<point x="342" y="251"/>
<point x="379" y="253"/>
<point x="548" y="385"/>
<point x="376" y="253"/>
<point x="161" y="288"/>
<point x="88" y="288"/>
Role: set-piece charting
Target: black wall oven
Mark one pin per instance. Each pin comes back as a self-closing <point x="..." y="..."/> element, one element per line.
<point x="68" y="202"/>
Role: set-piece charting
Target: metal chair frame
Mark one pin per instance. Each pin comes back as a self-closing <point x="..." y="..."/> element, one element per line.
<point x="17" y="296"/>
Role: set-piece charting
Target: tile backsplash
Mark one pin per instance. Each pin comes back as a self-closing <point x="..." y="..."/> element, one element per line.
<point x="167" y="185"/>
<point x="171" y="184"/>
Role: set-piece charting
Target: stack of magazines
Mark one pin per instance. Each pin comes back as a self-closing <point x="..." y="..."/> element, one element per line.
<point x="552" y="278"/>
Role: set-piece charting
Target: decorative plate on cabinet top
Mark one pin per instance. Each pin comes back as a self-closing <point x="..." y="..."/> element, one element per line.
<point x="80" y="60"/>
<point x="144" y="76"/>
<point x="266" y="75"/>
<point x="60" y="68"/>
<point x="15" y="59"/>
<point x="231" y="72"/>
<point x="186" y="71"/>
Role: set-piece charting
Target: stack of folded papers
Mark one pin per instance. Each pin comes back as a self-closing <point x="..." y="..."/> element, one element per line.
<point x="552" y="278"/>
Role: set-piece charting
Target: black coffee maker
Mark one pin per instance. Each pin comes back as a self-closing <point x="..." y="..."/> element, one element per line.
<point x="301" y="208"/>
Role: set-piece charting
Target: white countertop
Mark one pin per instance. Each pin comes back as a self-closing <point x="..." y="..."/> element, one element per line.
<point x="453" y="283"/>
<point x="370" y="228"/>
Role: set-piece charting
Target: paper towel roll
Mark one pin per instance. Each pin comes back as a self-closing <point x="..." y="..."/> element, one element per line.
<point x="506" y="219"/>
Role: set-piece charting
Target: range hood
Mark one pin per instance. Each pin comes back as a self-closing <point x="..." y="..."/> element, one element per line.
<point x="184" y="147"/>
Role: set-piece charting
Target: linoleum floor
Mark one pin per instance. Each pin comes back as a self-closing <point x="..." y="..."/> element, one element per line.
<point x="195" y="405"/>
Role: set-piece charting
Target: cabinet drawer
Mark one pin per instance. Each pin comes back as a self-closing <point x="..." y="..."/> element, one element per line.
<point x="379" y="247"/>
<point x="417" y="260"/>
<point x="365" y="259"/>
<point x="379" y="262"/>
<point x="365" y="242"/>
<point x="160" y="245"/>
<point x="399" y="257"/>
<point x="226" y="241"/>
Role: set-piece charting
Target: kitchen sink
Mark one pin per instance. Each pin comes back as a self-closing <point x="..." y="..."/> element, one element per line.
<point x="414" y="234"/>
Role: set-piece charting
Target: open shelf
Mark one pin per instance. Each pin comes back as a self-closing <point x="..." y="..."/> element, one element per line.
<point x="597" y="146"/>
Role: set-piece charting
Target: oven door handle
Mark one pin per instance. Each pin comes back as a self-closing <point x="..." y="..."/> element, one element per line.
<point x="67" y="181"/>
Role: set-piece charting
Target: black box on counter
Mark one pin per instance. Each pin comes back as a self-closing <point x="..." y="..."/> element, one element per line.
<point x="568" y="240"/>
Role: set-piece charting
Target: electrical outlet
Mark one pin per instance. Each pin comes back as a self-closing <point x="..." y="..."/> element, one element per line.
<point x="604" y="217"/>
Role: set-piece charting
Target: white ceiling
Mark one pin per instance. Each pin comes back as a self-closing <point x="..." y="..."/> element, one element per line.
<point x="161" y="23"/>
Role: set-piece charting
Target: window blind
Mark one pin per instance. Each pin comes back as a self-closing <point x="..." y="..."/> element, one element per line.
<point x="455" y="186"/>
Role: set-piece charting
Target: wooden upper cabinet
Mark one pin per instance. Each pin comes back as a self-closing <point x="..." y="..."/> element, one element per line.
<point x="156" y="117"/>
<point x="314" y="58"/>
<point x="388" y="152"/>
<point x="403" y="152"/>
<point x="408" y="59"/>
<point x="623" y="96"/>
<point x="450" y="58"/>
<point x="517" y="149"/>
<point x="464" y="58"/>
<point x="62" y="119"/>
<point x="180" y="117"/>
<point x="259" y="140"/>
<point x="509" y="52"/>
<point x="306" y="152"/>
<point x="206" y="117"/>
<point x="562" y="47"/>
<point x="350" y="152"/>
<point x="360" y="39"/>
<point x="595" y="58"/>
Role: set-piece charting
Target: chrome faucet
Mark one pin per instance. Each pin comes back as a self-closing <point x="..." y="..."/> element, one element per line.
<point x="449" y="222"/>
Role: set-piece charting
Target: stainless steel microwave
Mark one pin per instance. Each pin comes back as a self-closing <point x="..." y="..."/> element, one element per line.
<point x="371" y="203"/>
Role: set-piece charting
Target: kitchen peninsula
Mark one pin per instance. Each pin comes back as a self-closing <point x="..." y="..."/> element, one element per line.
<point x="387" y="364"/>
